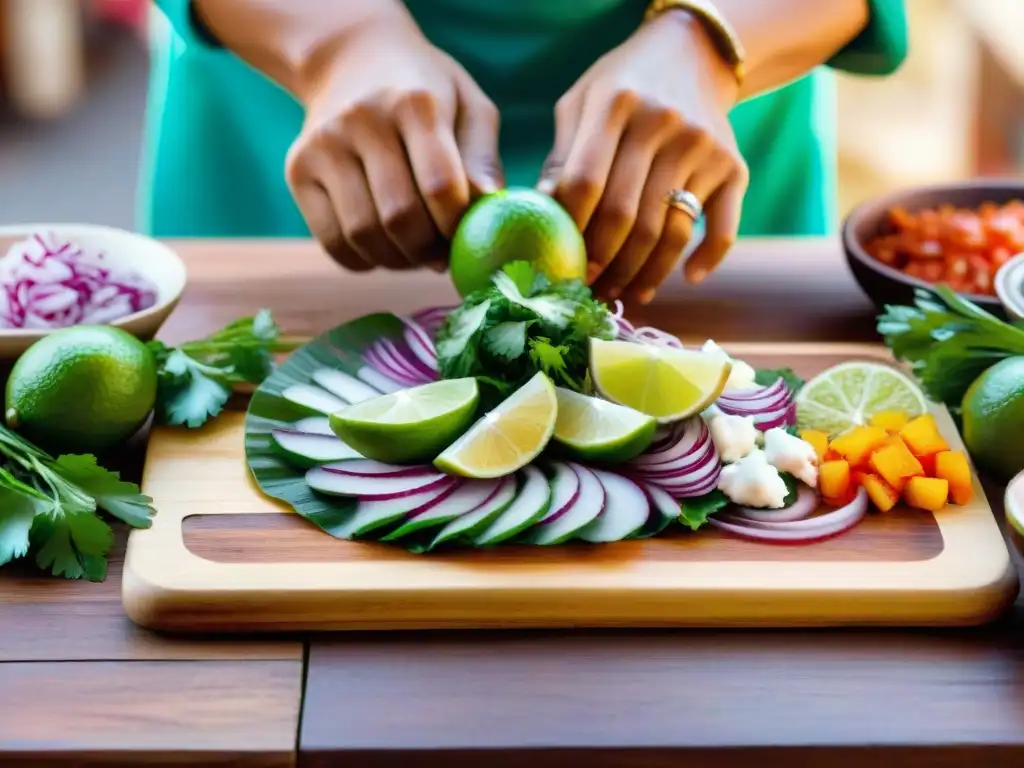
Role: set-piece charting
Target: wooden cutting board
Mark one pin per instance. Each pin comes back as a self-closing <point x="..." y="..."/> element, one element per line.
<point x="222" y="557"/>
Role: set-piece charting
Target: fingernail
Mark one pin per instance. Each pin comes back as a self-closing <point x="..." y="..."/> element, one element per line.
<point x="546" y="186"/>
<point x="646" y="297"/>
<point x="698" y="275"/>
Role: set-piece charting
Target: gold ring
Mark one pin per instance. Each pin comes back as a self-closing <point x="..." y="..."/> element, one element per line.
<point x="687" y="202"/>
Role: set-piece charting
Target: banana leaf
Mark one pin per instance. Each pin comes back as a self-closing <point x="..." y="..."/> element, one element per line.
<point x="340" y="349"/>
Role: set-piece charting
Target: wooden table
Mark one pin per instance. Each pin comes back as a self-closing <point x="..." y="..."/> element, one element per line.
<point x="125" y="696"/>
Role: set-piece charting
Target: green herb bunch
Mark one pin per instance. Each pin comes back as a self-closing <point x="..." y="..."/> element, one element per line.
<point x="521" y="324"/>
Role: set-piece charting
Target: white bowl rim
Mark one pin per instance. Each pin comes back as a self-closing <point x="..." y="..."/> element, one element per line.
<point x="69" y="229"/>
<point x="1009" y="285"/>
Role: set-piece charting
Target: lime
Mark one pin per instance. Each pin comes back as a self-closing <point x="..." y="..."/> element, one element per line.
<point x="993" y="419"/>
<point x="595" y="429"/>
<point x="668" y="384"/>
<point x="849" y="394"/>
<point x="411" y="425"/>
<point x="82" y="389"/>
<point x="515" y="224"/>
<point x="507" y="438"/>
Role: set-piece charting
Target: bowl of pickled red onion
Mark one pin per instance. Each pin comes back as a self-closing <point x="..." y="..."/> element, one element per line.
<point x="58" y="275"/>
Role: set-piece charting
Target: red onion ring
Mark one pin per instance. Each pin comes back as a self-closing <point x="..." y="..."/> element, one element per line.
<point x="800" y="531"/>
<point x="774" y="390"/>
<point x="420" y="345"/>
<point x="694" y="434"/>
<point x="380" y="362"/>
<point x="805" y="505"/>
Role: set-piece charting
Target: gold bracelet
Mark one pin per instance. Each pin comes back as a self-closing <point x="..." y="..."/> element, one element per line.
<point x="720" y="30"/>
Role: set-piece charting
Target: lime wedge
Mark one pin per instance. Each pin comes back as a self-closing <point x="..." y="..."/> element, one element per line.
<point x="848" y="394"/>
<point x="668" y="384"/>
<point x="595" y="429"/>
<point x="507" y="438"/>
<point x="411" y="425"/>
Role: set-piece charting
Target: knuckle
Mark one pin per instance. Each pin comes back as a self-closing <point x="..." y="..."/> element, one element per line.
<point x="663" y="117"/>
<point x="356" y="115"/>
<point x="418" y="104"/>
<point x="295" y="163"/>
<point x="616" y="215"/>
<point x="581" y="187"/>
<point x="364" y="234"/>
<point x="645" y="236"/>
<point x="442" y="190"/>
<point x="625" y="101"/>
<point x="403" y="224"/>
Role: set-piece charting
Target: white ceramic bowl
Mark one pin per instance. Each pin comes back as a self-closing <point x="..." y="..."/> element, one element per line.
<point x="1009" y="284"/>
<point x="147" y="257"/>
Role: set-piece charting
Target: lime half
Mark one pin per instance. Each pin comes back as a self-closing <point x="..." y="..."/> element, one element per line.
<point x="848" y="394"/>
<point x="668" y="384"/>
<point x="507" y="438"/>
<point x="595" y="429"/>
<point x="411" y="425"/>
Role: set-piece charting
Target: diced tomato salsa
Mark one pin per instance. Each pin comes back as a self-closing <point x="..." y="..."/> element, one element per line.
<point x="958" y="246"/>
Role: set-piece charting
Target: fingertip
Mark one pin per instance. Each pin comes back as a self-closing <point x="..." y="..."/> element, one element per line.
<point x="547" y="186"/>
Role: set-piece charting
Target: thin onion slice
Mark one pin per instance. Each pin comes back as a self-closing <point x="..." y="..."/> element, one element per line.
<point x="805" y="505"/>
<point x="800" y="531"/>
<point x="419" y="343"/>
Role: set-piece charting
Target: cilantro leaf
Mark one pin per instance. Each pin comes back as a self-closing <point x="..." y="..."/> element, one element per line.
<point x="695" y="512"/>
<point x="186" y="392"/>
<point x="765" y="377"/>
<point x="792" y="489"/>
<point x="120" y="498"/>
<point x="947" y="341"/>
<point x="506" y="340"/>
<point x="522" y="274"/>
<point x="550" y="308"/>
<point x="72" y="545"/>
<point x="17" y="511"/>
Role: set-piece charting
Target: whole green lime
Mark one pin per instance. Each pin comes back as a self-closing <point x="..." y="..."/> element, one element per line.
<point x="993" y="419"/>
<point x="516" y="224"/>
<point x="82" y="389"/>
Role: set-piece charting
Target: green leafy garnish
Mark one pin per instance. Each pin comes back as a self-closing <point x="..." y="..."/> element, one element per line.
<point x="521" y="324"/>
<point x="197" y="378"/>
<point x="948" y="341"/>
<point x="792" y="489"/>
<point x="48" y="509"/>
<point x="695" y="512"/>
<point x="765" y="377"/>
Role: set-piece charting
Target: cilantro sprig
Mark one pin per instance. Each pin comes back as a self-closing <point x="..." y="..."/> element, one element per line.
<point x="948" y="341"/>
<point x="521" y="324"/>
<point x="49" y="509"/>
<point x="197" y="378"/>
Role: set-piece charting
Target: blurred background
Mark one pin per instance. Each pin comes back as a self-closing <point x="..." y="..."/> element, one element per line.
<point x="73" y="86"/>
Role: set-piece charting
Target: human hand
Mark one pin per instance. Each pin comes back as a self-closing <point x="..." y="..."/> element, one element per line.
<point x="397" y="137"/>
<point x="649" y="117"/>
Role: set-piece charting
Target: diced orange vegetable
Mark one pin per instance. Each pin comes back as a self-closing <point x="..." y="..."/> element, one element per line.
<point x="834" y="479"/>
<point x="895" y="464"/>
<point x="832" y="455"/>
<point x="856" y="445"/>
<point x="952" y="466"/>
<point x="929" y="493"/>
<point x="922" y="436"/>
<point x="890" y="421"/>
<point x="928" y="465"/>
<point x="817" y="439"/>
<point x="882" y="495"/>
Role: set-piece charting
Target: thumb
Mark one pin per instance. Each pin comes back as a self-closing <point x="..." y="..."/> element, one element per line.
<point x="567" y="119"/>
<point x="477" y="124"/>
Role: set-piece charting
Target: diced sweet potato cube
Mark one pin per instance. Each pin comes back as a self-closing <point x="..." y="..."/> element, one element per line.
<point x="890" y="421"/>
<point x="856" y="445"/>
<point x="882" y="495"/>
<point x="834" y="479"/>
<point x="895" y="464"/>
<point x="953" y="467"/>
<point x="922" y="436"/>
<point x="929" y="493"/>
<point x="817" y="439"/>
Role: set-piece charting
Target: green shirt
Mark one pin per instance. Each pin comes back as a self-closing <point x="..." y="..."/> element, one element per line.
<point x="218" y="131"/>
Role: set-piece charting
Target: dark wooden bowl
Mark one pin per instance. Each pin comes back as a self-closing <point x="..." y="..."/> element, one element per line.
<point x="885" y="285"/>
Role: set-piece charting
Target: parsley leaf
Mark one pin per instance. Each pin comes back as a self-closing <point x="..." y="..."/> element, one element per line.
<point x="948" y="341"/>
<point x="73" y="544"/>
<point x="17" y="511"/>
<point x="765" y="377"/>
<point x="792" y="489"/>
<point x="120" y="498"/>
<point x="695" y="512"/>
<point x="521" y="324"/>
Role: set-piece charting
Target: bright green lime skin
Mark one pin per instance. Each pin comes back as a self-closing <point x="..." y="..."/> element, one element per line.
<point x="993" y="419"/>
<point x="516" y="224"/>
<point x="419" y="443"/>
<point x="83" y="389"/>
<point x="610" y="454"/>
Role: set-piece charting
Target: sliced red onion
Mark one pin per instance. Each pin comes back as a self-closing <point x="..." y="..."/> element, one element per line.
<point x="693" y="434"/>
<point x="706" y="453"/>
<point x="431" y="319"/>
<point x="771" y="392"/>
<point x="657" y="337"/>
<point x="762" y="403"/>
<point x="379" y="361"/>
<point x="51" y="283"/>
<point x="806" y="504"/>
<point x="680" y="489"/>
<point x="420" y="345"/>
<point x="372" y="468"/>
<point x="800" y="531"/>
<point x="784" y="415"/>
<point x="390" y="351"/>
